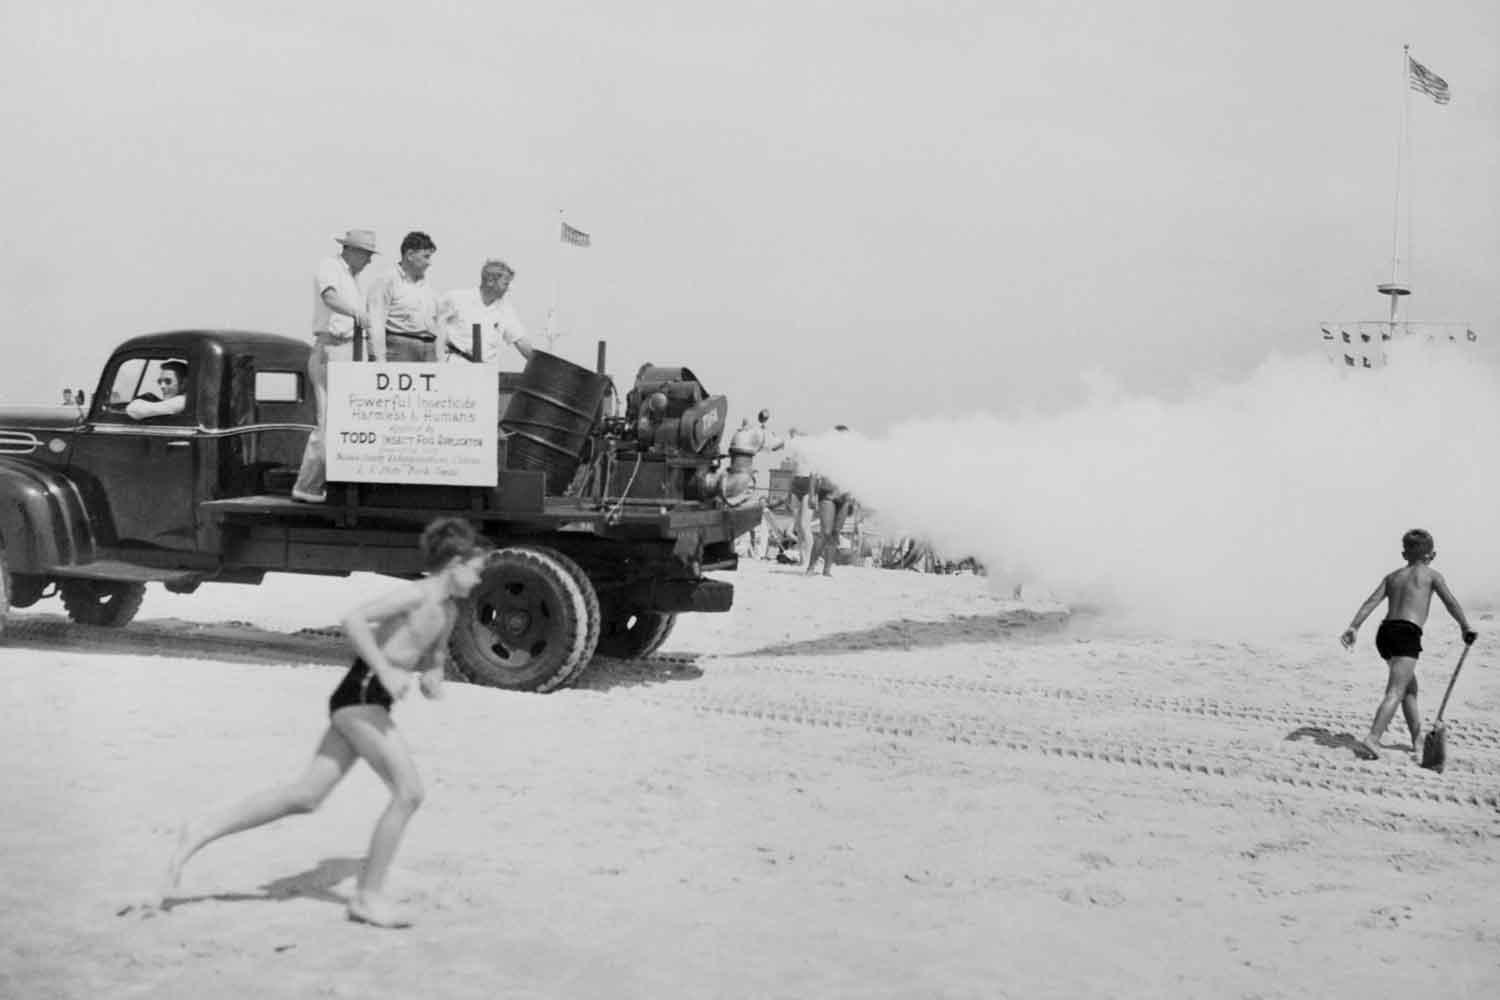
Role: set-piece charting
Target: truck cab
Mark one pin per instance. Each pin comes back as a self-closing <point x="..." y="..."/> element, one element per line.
<point x="604" y="525"/>
<point x="246" y="417"/>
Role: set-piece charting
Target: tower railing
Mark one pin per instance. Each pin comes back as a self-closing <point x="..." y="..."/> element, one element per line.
<point x="1365" y="344"/>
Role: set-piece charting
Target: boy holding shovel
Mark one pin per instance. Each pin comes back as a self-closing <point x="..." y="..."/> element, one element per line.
<point x="1399" y="639"/>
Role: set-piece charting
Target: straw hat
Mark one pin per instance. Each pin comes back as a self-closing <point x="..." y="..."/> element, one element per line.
<point x="359" y="239"/>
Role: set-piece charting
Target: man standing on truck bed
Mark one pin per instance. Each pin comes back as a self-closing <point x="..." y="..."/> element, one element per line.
<point x="403" y="308"/>
<point x="338" y="307"/>
<point x="487" y="307"/>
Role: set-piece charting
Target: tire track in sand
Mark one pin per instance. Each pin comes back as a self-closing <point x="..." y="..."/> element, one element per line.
<point x="1462" y="785"/>
<point x="1415" y="785"/>
<point x="1479" y="735"/>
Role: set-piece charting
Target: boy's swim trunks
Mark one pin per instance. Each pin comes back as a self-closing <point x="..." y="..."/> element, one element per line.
<point x="360" y="686"/>
<point x="1398" y="637"/>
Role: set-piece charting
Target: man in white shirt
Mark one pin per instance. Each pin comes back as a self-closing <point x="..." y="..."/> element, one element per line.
<point x="460" y="310"/>
<point x="403" y="308"/>
<point x="171" y="380"/>
<point x="338" y="316"/>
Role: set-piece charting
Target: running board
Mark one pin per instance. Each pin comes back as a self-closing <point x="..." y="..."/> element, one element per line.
<point x="124" y="572"/>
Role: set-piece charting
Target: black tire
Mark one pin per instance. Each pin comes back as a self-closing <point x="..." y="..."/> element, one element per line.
<point x="628" y="635"/>
<point x="24" y="590"/>
<point x="4" y="590"/>
<point x="110" y="603"/>
<point x="591" y="609"/>
<point x="526" y="627"/>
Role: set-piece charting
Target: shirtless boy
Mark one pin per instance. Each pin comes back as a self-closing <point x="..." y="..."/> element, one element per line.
<point x="403" y="632"/>
<point x="1399" y="639"/>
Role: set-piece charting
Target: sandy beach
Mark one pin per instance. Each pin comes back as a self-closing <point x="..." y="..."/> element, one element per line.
<point x="885" y="784"/>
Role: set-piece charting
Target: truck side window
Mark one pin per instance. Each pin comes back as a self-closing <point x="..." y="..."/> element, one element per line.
<point x="152" y="380"/>
<point x="278" y="387"/>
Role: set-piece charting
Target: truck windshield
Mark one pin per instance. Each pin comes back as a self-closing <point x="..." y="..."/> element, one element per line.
<point x="129" y="378"/>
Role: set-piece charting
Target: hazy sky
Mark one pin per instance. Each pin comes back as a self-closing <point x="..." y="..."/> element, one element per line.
<point x="846" y="211"/>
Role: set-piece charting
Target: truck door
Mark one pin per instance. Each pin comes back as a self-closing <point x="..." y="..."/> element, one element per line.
<point x="139" y="466"/>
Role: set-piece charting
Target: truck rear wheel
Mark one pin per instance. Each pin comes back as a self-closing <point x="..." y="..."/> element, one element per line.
<point x="590" y="604"/>
<point x="635" y="633"/>
<point x="526" y="627"/>
<point x="111" y="603"/>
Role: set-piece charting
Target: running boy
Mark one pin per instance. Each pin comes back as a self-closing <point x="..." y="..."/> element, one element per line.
<point x="411" y="625"/>
<point x="1399" y="639"/>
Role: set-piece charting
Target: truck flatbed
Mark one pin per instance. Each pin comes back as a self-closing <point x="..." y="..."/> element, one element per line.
<point x="556" y="513"/>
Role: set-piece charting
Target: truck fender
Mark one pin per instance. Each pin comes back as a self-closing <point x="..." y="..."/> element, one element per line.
<point x="43" y="523"/>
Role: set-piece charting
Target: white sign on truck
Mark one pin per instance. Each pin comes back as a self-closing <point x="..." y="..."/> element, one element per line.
<point x="412" y="423"/>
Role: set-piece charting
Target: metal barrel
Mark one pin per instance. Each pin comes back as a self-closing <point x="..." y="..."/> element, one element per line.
<point x="549" y="417"/>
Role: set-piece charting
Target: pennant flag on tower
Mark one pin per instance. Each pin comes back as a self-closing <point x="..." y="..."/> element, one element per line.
<point x="1425" y="81"/>
<point x="577" y="237"/>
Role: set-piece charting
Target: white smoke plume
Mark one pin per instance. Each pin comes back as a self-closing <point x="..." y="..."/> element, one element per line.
<point x="1275" y="502"/>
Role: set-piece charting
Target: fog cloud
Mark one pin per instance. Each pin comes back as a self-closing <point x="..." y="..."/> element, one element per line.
<point x="1274" y="502"/>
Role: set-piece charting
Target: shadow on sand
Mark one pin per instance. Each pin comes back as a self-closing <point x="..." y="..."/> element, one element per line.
<point x="908" y="633"/>
<point x="1327" y="738"/>
<point x="315" y="883"/>
<point x="605" y="673"/>
<point x="231" y="641"/>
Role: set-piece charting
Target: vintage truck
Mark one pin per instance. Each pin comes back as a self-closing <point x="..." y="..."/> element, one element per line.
<point x="604" y="524"/>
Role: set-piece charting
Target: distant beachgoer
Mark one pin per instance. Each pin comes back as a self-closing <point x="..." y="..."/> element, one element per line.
<point x="170" y="399"/>
<point x="392" y="636"/>
<point x="1399" y="638"/>
<point x="834" y="504"/>
<point x="487" y="306"/>
<point x="797" y="498"/>
<point x="338" y="317"/>
<point x="402" y="307"/>
<point x="744" y="445"/>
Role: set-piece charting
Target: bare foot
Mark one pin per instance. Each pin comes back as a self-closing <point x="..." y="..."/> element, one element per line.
<point x="377" y="912"/>
<point x="1364" y="751"/>
<point x="180" y="855"/>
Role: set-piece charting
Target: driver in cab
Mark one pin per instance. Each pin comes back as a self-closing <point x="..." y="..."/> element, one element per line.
<point x="169" y="401"/>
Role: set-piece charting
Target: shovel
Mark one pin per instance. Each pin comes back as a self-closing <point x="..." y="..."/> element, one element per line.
<point x="1435" y="746"/>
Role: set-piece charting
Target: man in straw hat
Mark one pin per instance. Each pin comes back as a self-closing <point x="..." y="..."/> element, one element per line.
<point x="338" y="317"/>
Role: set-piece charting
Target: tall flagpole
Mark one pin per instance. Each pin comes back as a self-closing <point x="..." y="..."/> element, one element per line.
<point x="1394" y="289"/>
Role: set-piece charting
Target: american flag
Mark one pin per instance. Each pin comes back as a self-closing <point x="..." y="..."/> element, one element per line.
<point x="1425" y="81"/>
<point x="577" y="237"/>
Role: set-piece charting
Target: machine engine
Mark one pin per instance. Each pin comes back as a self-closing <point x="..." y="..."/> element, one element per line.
<point x="669" y="413"/>
<point x="665" y="446"/>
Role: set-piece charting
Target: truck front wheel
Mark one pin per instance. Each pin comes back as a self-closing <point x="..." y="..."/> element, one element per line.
<point x="626" y="635"/>
<point x="526" y="627"/>
<point x="4" y="589"/>
<point x="111" y="603"/>
<point x="26" y="590"/>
